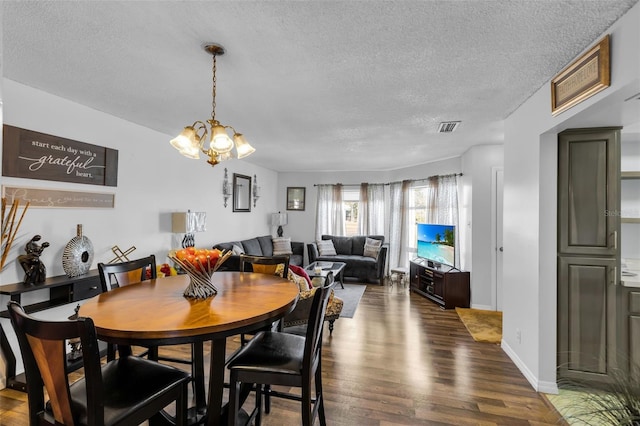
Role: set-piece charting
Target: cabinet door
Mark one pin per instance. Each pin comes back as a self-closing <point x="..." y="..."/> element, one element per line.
<point x="629" y="333"/>
<point x="589" y="191"/>
<point x="587" y="346"/>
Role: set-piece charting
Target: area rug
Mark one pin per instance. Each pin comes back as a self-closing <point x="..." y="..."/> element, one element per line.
<point x="484" y="326"/>
<point x="350" y="295"/>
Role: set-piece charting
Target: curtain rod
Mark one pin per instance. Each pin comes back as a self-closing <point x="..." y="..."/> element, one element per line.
<point x="389" y="183"/>
<point x="349" y="184"/>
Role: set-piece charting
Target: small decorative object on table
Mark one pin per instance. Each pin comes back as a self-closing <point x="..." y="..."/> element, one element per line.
<point x="77" y="255"/>
<point x="74" y="344"/>
<point x="200" y="264"/>
<point x="34" y="270"/>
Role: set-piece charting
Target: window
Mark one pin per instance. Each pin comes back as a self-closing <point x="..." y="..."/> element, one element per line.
<point x="416" y="213"/>
<point x="350" y="201"/>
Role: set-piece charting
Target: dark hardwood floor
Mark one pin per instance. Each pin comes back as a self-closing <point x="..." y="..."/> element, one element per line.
<point x="400" y="361"/>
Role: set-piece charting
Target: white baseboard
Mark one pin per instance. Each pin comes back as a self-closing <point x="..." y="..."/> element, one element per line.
<point x="483" y="307"/>
<point x="539" y="386"/>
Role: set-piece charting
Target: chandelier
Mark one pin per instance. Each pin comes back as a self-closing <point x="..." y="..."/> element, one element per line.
<point x="191" y="141"/>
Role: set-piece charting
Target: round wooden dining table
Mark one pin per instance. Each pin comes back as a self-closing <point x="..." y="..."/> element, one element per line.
<point x="155" y="313"/>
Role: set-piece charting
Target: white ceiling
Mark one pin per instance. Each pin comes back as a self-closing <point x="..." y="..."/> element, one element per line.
<point x="313" y="85"/>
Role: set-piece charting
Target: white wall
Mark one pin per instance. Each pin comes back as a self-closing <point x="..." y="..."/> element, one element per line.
<point x="530" y="204"/>
<point x="153" y="181"/>
<point x="478" y="164"/>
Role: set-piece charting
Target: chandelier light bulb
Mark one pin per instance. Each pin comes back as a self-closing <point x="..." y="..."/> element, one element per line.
<point x="242" y="146"/>
<point x="220" y="140"/>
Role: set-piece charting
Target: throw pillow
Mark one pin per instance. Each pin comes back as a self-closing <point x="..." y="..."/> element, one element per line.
<point x="372" y="248"/>
<point x="298" y="270"/>
<point x="237" y="250"/>
<point x="281" y="246"/>
<point x="299" y="280"/>
<point x="326" y="248"/>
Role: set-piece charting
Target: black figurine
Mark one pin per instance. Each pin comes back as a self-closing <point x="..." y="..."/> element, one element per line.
<point x="34" y="270"/>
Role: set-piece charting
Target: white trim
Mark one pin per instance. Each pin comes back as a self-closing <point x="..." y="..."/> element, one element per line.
<point x="494" y="243"/>
<point x="545" y="387"/>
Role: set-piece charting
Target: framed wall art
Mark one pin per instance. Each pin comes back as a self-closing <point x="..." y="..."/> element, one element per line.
<point x="295" y="197"/>
<point x="34" y="155"/>
<point x="586" y="76"/>
<point x="241" y="193"/>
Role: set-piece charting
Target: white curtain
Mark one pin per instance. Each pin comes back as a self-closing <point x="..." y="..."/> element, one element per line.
<point x="442" y="204"/>
<point x="441" y="208"/>
<point x="371" y="205"/>
<point x="329" y="215"/>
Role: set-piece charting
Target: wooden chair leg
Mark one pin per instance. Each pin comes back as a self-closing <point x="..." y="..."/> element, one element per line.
<point x="234" y="397"/>
<point x="306" y="407"/>
<point x="331" y="326"/>
<point x="181" y="407"/>
<point x="319" y="397"/>
<point x="258" y="420"/>
<point x="267" y="399"/>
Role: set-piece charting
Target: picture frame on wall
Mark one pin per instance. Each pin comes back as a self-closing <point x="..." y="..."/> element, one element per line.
<point x="583" y="78"/>
<point x="296" y="197"/>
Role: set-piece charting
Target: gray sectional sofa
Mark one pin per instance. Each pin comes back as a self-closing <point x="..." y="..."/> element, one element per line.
<point x="258" y="246"/>
<point x="350" y="250"/>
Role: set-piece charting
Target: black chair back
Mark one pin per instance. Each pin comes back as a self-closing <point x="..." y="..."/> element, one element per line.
<point x="42" y="345"/>
<point x="124" y="395"/>
<point x="246" y="259"/>
<point x="114" y="275"/>
<point x="313" y="341"/>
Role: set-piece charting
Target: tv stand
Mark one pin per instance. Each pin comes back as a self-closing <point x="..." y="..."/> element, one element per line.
<point x="448" y="289"/>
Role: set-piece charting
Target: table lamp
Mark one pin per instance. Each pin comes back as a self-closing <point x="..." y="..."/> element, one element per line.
<point x="188" y="223"/>
<point x="279" y="219"/>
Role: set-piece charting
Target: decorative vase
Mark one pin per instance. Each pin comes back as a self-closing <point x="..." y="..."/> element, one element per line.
<point x="77" y="255"/>
<point x="200" y="271"/>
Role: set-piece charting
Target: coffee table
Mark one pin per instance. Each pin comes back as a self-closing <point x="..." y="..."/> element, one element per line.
<point x="336" y="267"/>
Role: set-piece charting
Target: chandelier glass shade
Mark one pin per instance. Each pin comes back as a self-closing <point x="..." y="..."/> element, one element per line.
<point x="191" y="141"/>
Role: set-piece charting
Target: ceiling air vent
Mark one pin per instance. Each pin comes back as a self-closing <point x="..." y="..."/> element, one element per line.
<point x="448" y="126"/>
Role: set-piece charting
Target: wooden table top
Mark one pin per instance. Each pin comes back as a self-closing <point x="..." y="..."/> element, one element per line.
<point x="157" y="311"/>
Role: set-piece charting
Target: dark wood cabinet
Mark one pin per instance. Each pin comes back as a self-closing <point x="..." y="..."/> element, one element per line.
<point x="449" y="288"/>
<point x="62" y="290"/>
<point x="589" y="340"/>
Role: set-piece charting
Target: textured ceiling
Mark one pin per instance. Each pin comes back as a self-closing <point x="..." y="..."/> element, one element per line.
<point x="313" y="85"/>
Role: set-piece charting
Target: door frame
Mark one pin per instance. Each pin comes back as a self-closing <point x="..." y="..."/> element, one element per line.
<point x="497" y="194"/>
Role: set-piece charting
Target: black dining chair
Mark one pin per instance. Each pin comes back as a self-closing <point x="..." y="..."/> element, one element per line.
<point x="277" y="358"/>
<point x="113" y="275"/>
<point x="126" y="391"/>
<point x="262" y="264"/>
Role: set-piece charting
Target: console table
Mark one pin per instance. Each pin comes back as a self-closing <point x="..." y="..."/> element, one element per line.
<point x="447" y="288"/>
<point x="62" y="290"/>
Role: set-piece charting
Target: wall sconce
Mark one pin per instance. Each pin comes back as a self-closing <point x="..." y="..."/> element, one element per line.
<point x="256" y="190"/>
<point x="188" y="223"/>
<point x="279" y="219"/>
<point x="226" y="188"/>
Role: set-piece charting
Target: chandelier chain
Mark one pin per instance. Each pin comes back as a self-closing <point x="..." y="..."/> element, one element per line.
<point x="213" y="92"/>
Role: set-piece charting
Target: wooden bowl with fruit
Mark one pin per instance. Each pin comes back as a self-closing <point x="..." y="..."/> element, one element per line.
<point x="199" y="264"/>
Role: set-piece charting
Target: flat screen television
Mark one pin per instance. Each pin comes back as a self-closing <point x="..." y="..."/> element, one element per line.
<point x="437" y="243"/>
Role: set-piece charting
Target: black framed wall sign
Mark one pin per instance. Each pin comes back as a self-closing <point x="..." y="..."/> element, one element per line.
<point x="34" y="155"/>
